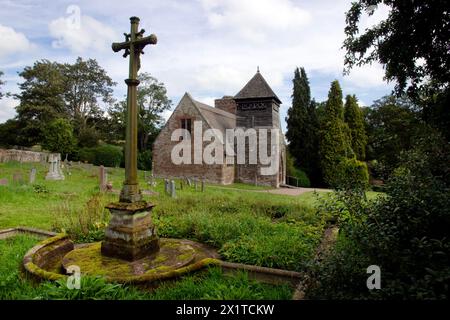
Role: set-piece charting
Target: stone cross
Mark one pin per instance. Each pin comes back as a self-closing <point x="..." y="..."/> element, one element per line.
<point x="32" y="175"/>
<point x="133" y="45"/>
<point x="54" y="172"/>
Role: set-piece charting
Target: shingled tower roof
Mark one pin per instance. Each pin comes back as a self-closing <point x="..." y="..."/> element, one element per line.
<point x="257" y="87"/>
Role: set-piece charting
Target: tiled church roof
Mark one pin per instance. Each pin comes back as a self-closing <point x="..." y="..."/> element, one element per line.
<point x="257" y="87"/>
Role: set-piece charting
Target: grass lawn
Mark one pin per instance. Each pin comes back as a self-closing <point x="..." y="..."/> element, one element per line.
<point x="251" y="227"/>
<point x="210" y="284"/>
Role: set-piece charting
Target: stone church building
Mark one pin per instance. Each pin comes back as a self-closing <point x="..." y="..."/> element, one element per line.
<point x="255" y="106"/>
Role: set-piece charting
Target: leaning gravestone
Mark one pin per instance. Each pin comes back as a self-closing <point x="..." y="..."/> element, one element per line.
<point x="32" y="176"/>
<point x="54" y="172"/>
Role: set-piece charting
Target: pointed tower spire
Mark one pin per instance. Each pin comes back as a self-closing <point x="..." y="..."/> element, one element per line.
<point x="257" y="69"/>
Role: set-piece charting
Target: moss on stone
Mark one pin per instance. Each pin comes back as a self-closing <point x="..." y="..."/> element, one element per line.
<point x="41" y="273"/>
<point x="91" y="261"/>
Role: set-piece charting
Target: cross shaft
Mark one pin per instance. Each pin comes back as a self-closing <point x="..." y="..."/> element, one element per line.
<point x="133" y="46"/>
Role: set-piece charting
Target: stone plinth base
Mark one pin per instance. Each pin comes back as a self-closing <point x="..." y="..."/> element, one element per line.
<point x="131" y="234"/>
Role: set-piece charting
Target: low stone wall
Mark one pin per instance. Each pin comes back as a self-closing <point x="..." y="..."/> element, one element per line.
<point x="22" y="156"/>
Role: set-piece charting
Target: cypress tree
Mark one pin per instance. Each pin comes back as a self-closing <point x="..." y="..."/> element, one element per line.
<point x="333" y="144"/>
<point x="302" y="126"/>
<point x="355" y="121"/>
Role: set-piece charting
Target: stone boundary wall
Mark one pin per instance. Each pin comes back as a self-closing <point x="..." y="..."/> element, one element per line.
<point x="22" y="156"/>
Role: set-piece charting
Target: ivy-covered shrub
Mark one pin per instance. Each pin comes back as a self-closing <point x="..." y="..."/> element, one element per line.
<point x="351" y="174"/>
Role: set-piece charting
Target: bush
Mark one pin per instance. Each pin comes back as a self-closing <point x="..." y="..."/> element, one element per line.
<point x="108" y="155"/>
<point x="404" y="233"/>
<point x="58" y="137"/>
<point x="351" y="174"/>
<point x="144" y="160"/>
<point x="88" y="137"/>
<point x="86" y="155"/>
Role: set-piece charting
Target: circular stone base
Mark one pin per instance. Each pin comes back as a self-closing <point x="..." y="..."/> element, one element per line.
<point x="173" y="255"/>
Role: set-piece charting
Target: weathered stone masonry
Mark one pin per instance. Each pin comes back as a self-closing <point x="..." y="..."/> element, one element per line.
<point x="255" y="106"/>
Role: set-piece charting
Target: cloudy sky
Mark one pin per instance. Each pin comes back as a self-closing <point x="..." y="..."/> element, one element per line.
<point x="208" y="48"/>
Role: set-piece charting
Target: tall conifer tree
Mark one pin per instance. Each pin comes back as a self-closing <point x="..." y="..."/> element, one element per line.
<point x="302" y="126"/>
<point x="354" y="118"/>
<point x="334" y="144"/>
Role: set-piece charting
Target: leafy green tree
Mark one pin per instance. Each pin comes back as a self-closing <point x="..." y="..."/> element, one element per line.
<point x="88" y="86"/>
<point x="355" y="121"/>
<point x="58" y="137"/>
<point x="41" y="100"/>
<point x="334" y="141"/>
<point x="392" y="126"/>
<point x="302" y="126"/>
<point x="152" y="100"/>
<point x="411" y="43"/>
<point x="7" y="130"/>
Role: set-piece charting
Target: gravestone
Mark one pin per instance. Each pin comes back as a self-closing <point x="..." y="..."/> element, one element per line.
<point x="195" y="184"/>
<point x="54" y="172"/>
<point x="3" y="182"/>
<point x="32" y="176"/>
<point x="203" y="185"/>
<point x="166" y="186"/>
<point x="173" y="192"/>
<point x="188" y="181"/>
<point x="103" y="178"/>
<point x="18" y="178"/>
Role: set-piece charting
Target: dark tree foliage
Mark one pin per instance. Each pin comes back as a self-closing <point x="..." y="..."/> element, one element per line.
<point x="405" y="233"/>
<point x="392" y="126"/>
<point x="88" y="85"/>
<point x="302" y="127"/>
<point x="152" y="100"/>
<point x="41" y="100"/>
<point x="354" y="118"/>
<point x="412" y="43"/>
<point x="334" y="142"/>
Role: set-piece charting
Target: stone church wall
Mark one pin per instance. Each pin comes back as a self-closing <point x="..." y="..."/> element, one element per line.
<point x="163" y="167"/>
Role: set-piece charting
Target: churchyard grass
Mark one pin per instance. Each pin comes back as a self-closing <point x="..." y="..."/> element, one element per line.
<point x="210" y="284"/>
<point x="258" y="228"/>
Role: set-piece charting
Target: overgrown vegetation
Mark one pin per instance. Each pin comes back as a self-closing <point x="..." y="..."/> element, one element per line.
<point x="211" y="284"/>
<point x="404" y="233"/>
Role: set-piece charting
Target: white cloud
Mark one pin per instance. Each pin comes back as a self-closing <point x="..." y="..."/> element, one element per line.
<point x="81" y="35"/>
<point x="366" y="76"/>
<point x="12" y="42"/>
<point x="255" y="19"/>
<point x="7" y="110"/>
